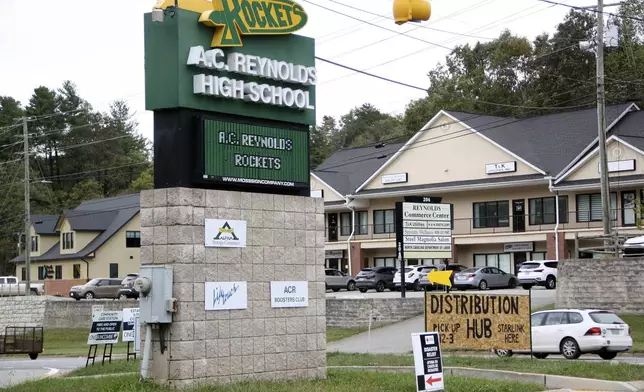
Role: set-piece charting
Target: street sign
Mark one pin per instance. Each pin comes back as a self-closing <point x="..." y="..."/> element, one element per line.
<point x="480" y="321"/>
<point x="106" y="327"/>
<point x="129" y="316"/>
<point x="427" y="361"/>
<point x="440" y="277"/>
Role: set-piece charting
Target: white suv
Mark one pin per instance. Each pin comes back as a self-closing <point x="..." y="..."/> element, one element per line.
<point x="412" y="277"/>
<point x="539" y="273"/>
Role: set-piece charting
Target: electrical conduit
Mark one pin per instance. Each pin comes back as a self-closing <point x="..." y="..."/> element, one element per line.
<point x="550" y="187"/>
<point x="147" y="351"/>
<point x="353" y="230"/>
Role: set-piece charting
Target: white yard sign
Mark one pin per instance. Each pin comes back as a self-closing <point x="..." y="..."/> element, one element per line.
<point x="129" y="318"/>
<point x="428" y="361"/>
<point x="226" y="295"/>
<point x="224" y="233"/>
<point x="289" y="294"/>
<point x="106" y="327"/>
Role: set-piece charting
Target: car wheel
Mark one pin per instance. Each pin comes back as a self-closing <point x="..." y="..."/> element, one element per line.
<point x="417" y="286"/>
<point x="512" y="284"/>
<point x="482" y="285"/>
<point x="336" y="290"/>
<point x="540" y="355"/>
<point x="551" y="283"/>
<point x="504" y="353"/>
<point x="607" y="355"/>
<point x="570" y="348"/>
<point x="363" y="290"/>
<point x="89" y="295"/>
<point x="33" y="356"/>
<point x="122" y="297"/>
<point x="77" y="298"/>
<point x="380" y="286"/>
<point x="34" y="292"/>
<point x="351" y="286"/>
<point x="527" y="287"/>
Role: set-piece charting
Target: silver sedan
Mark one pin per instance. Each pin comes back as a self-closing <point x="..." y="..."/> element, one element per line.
<point x="484" y="278"/>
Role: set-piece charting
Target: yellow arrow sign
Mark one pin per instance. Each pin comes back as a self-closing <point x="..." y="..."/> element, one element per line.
<point x="440" y="277"/>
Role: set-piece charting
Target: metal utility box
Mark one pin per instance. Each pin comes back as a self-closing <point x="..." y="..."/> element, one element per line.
<point x="155" y="294"/>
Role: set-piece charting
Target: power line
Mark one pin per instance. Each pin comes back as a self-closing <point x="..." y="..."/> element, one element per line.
<point x="425" y="89"/>
<point x="590" y="9"/>
<point x="63" y="148"/>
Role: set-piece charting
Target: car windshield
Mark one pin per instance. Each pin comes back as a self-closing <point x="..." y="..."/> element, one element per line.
<point x="529" y="266"/>
<point x="93" y="282"/>
<point x="605" y="318"/>
<point x="365" y="270"/>
<point x="408" y="269"/>
<point x="471" y="270"/>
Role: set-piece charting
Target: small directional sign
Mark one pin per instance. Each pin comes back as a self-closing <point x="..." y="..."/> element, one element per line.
<point x="428" y="361"/>
<point x="440" y="277"/>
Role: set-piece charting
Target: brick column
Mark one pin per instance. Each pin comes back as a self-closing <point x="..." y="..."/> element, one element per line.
<point x="551" y="247"/>
<point x="357" y="257"/>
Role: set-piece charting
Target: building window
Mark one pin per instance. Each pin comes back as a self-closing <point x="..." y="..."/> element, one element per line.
<point x="132" y="239"/>
<point x="589" y="207"/>
<point x="500" y="261"/>
<point x="77" y="271"/>
<point x="537" y="256"/>
<point x="345" y="224"/>
<point x="34" y="243"/>
<point x="384" y="261"/>
<point x="114" y="270"/>
<point x="42" y="273"/>
<point x="384" y="221"/>
<point x="59" y="272"/>
<point x="362" y="223"/>
<point x="68" y="241"/>
<point x="628" y="208"/>
<point x="23" y="276"/>
<point x="491" y="214"/>
<point x="542" y="210"/>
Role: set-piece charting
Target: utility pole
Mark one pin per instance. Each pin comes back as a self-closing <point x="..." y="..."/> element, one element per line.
<point x="601" y="119"/>
<point x="25" y="133"/>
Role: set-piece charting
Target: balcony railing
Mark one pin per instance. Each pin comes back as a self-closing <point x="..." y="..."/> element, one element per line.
<point x="493" y="225"/>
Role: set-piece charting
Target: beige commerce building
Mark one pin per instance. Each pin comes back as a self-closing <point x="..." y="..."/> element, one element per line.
<point x="501" y="174"/>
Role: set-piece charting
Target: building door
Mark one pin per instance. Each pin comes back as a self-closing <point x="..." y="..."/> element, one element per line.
<point x="333" y="227"/>
<point x="628" y="208"/>
<point x="518" y="216"/>
<point x="519" y="258"/>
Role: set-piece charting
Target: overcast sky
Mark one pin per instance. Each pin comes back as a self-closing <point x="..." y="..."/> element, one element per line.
<point x="99" y="46"/>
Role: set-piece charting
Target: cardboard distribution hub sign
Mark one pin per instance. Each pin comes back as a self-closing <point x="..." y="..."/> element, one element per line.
<point x="428" y="361"/>
<point x="480" y="321"/>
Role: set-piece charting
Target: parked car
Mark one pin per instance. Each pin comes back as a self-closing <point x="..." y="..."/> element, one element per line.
<point x="484" y="278"/>
<point x="573" y="332"/>
<point x="9" y="286"/>
<point x="97" y="288"/>
<point x="634" y="247"/>
<point x="377" y="278"/>
<point x="538" y="273"/>
<point x="337" y="280"/>
<point x="424" y="278"/>
<point x="127" y="287"/>
<point x="412" y="277"/>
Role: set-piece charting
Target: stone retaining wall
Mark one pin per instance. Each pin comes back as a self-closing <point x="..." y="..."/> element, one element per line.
<point x="356" y="312"/>
<point x="611" y="284"/>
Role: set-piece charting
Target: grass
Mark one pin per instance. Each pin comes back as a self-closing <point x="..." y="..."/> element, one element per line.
<point x="117" y="366"/>
<point x="597" y="370"/>
<point x="73" y="341"/>
<point x="335" y="334"/>
<point x="337" y="381"/>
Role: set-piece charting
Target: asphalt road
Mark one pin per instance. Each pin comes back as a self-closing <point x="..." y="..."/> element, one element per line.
<point x="16" y="370"/>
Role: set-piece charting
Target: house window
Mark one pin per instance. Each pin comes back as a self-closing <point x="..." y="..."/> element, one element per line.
<point x="500" y="261"/>
<point x="345" y="224"/>
<point x="59" y="272"/>
<point x="42" y="273"/>
<point x="23" y="276"/>
<point x="77" y="271"/>
<point x="132" y="239"/>
<point x="384" y="261"/>
<point x="491" y="214"/>
<point x="34" y="243"/>
<point x="384" y="221"/>
<point x="114" y="270"/>
<point x="589" y="207"/>
<point x="628" y="208"/>
<point x="68" y="241"/>
<point x="362" y="223"/>
<point x="542" y="210"/>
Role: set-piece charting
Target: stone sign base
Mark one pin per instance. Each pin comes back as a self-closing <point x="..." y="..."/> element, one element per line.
<point x="285" y="242"/>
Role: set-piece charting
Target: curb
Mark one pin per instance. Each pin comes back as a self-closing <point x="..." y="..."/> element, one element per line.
<point x="547" y="380"/>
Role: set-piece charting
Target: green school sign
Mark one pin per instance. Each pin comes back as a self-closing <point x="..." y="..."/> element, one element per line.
<point x="231" y="66"/>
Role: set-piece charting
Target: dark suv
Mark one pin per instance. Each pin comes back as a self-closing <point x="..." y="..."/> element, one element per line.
<point x="127" y="287"/>
<point x="378" y="278"/>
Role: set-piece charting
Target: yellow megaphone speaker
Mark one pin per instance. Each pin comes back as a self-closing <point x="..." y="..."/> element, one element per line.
<point x="411" y="11"/>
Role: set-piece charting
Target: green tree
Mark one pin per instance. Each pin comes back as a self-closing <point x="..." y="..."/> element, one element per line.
<point x="320" y="140"/>
<point x="144" y="181"/>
